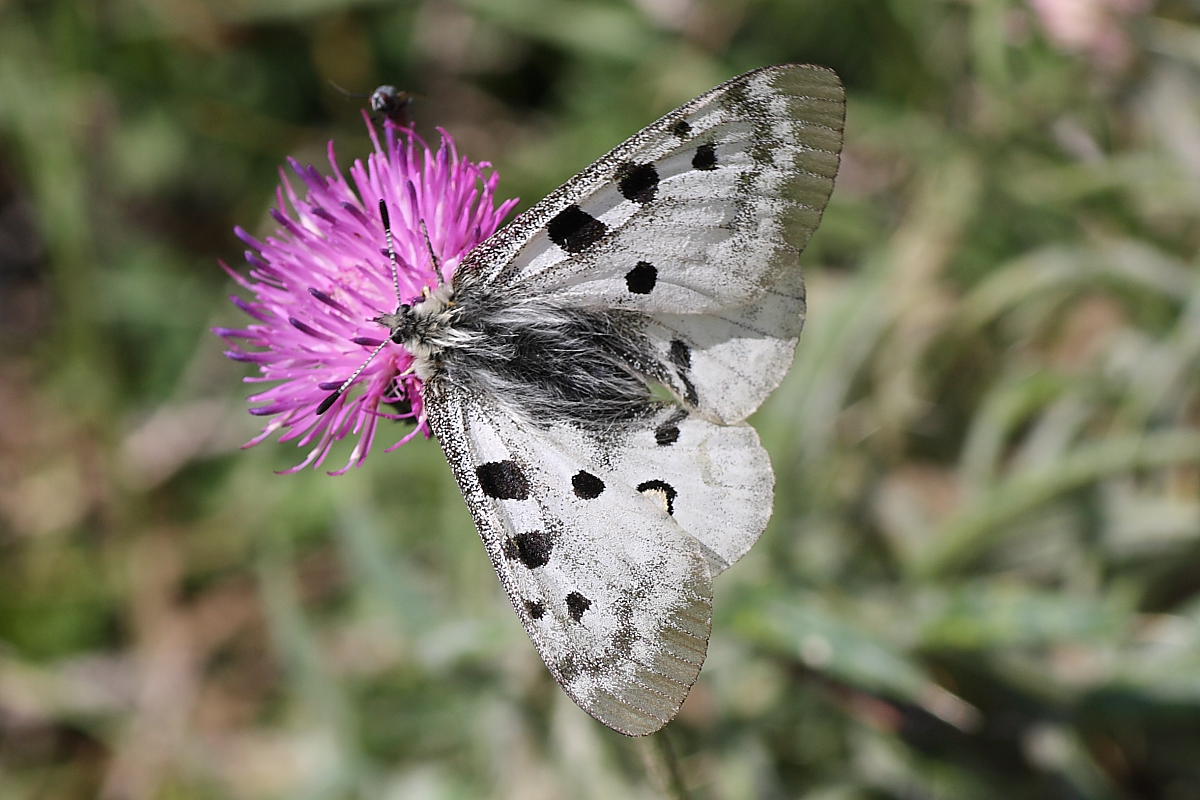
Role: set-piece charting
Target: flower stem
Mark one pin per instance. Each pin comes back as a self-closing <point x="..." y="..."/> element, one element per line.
<point x="663" y="766"/>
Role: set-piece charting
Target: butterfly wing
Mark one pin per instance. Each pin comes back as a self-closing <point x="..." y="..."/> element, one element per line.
<point x="698" y="222"/>
<point x="607" y="540"/>
<point x="717" y="477"/>
<point x="607" y="548"/>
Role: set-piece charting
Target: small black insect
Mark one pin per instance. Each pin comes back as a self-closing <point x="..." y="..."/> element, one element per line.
<point x="392" y="104"/>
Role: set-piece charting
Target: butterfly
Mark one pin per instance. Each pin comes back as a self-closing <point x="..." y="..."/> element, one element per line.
<point x="588" y="370"/>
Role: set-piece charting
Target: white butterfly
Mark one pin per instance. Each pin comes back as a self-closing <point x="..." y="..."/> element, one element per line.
<point x="670" y="262"/>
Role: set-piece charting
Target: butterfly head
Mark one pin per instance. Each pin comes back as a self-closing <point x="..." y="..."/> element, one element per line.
<point x="401" y="323"/>
<point x="426" y="327"/>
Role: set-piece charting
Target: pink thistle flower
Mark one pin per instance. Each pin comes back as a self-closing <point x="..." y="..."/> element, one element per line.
<point x="324" y="275"/>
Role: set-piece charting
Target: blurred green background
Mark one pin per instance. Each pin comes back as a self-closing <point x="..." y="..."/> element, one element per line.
<point x="983" y="574"/>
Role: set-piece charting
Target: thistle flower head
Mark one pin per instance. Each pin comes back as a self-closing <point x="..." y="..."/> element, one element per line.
<point x="321" y="279"/>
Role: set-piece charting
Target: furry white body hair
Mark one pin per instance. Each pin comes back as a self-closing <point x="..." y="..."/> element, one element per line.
<point x="547" y="362"/>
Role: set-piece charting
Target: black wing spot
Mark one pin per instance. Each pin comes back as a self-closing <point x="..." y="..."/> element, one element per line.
<point x="637" y="182"/>
<point x="536" y="608"/>
<point x="706" y="157"/>
<point x="689" y="390"/>
<point x="641" y="278"/>
<point x="586" y="485"/>
<point x="667" y="433"/>
<point x="681" y="357"/>
<point x="531" y="549"/>
<point x="502" y="480"/>
<point x="667" y="490"/>
<point x="576" y="605"/>
<point x="575" y="230"/>
<point x="681" y="354"/>
<point x="681" y="129"/>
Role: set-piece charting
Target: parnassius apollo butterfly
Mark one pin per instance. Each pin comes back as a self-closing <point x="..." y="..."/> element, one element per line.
<point x="671" y="262"/>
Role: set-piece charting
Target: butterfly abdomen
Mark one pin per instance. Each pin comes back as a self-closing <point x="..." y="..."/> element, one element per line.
<point x="555" y="364"/>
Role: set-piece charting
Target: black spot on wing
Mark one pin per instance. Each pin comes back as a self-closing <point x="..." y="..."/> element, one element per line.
<point x="576" y="605"/>
<point x="575" y="230"/>
<point x="667" y="433"/>
<point x="532" y="549"/>
<point x="681" y="129"/>
<point x="706" y="157"/>
<point x="681" y="354"/>
<point x="502" y="480"/>
<point x="667" y="490"/>
<point x="681" y="357"/>
<point x="689" y="390"/>
<point x="586" y="485"/>
<point x="641" y="278"/>
<point x="536" y="608"/>
<point x="637" y="182"/>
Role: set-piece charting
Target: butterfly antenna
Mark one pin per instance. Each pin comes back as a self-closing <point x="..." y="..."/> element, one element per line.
<point x="332" y="398"/>
<point x="391" y="250"/>
<point x="437" y="262"/>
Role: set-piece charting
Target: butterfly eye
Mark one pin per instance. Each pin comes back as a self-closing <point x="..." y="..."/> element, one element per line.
<point x="401" y="323"/>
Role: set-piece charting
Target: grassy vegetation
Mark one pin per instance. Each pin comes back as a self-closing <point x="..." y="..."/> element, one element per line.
<point x="982" y="578"/>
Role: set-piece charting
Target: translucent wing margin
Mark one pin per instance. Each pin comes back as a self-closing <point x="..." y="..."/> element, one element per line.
<point x="607" y="549"/>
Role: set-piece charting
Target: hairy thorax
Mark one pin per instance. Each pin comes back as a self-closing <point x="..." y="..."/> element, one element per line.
<point x="586" y="366"/>
<point x="427" y="329"/>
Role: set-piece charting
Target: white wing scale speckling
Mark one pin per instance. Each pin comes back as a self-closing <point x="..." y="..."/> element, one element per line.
<point x="607" y="538"/>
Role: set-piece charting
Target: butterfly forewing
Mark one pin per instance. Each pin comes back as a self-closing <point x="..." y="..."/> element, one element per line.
<point x="756" y="155"/>
<point x="702" y="214"/>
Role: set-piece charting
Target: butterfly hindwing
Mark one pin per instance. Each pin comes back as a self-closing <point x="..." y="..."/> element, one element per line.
<point x="606" y="549"/>
<point x="717" y="477"/>
<point x="616" y="599"/>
